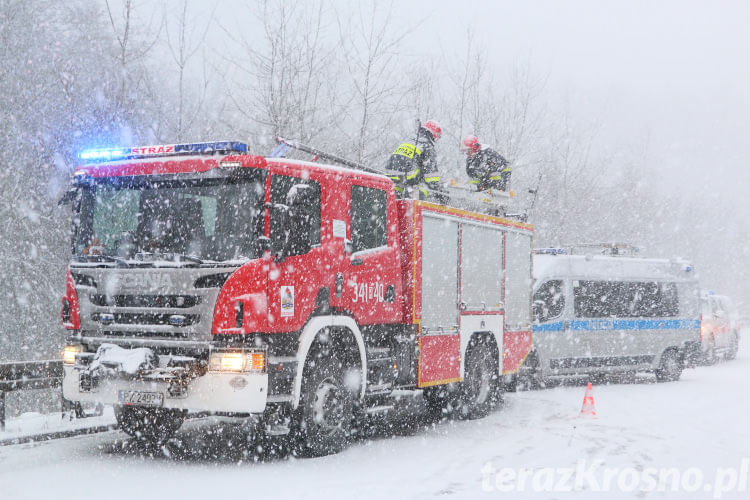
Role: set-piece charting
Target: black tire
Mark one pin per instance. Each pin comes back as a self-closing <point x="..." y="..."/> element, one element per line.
<point x="733" y="348"/>
<point x="480" y="388"/>
<point x="323" y="421"/>
<point x="528" y="377"/>
<point x="155" y="425"/>
<point x="670" y="368"/>
<point x="442" y="401"/>
<point x="709" y="357"/>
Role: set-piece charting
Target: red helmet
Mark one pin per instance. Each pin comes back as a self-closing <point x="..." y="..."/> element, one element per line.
<point x="470" y="145"/>
<point x="434" y="128"/>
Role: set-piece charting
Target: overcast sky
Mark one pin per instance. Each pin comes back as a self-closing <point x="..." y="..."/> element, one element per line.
<point x="674" y="73"/>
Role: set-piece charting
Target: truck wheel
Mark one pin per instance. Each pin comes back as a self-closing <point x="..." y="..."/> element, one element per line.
<point x="733" y="348"/>
<point x="155" y="425"/>
<point x="324" y="417"/>
<point x="671" y="367"/>
<point x="479" y="390"/>
<point x="442" y="400"/>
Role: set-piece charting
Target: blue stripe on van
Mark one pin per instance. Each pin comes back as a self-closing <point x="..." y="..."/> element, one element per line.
<point x="621" y="324"/>
<point x="557" y="326"/>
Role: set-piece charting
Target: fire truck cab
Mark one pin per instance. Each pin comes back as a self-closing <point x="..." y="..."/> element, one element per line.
<point x="293" y="294"/>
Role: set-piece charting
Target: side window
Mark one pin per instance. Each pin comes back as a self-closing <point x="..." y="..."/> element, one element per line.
<point x="302" y="199"/>
<point x="595" y="299"/>
<point x="623" y="299"/>
<point x="549" y="301"/>
<point x="670" y="300"/>
<point x="368" y="218"/>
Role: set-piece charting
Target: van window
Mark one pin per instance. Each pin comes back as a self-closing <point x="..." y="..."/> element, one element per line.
<point x="549" y="301"/>
<point x="625" y="299"/>
<point x="368" y="218"/>
<point x="307" y="193"/>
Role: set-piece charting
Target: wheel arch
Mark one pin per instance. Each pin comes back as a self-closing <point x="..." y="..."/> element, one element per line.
<point x="310" y="333"/>
<point x="677" y="350"/>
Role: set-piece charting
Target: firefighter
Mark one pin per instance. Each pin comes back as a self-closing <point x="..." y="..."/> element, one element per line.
<point x="486" y="168"/>
<point x="415" y="164"/>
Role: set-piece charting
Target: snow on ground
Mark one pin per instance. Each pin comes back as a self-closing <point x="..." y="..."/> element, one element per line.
<point x="699" y="427"/>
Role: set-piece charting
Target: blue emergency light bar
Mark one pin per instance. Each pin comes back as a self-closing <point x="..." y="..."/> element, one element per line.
<point x="114" y="154"/>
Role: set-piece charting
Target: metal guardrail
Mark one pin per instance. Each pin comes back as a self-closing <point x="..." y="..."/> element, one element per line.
<point x="28" y="375"/>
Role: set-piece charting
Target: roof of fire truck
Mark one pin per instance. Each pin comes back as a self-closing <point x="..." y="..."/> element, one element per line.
<point x="185" y="158"/>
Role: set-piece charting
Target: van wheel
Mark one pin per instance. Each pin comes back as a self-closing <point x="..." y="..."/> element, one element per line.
<point x="671" y="367"/>
<point x="733" y="348"/>
<point x="155" y="425"/>
<point x="709" y="357"/>
<point x="529" y="375"/>
<point x="324" y="418"/>
<point x="479" y="390"/>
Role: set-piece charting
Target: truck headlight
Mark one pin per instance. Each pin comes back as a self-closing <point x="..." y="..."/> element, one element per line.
<point x="232" y="361"/>
<point x="70" y="352"/>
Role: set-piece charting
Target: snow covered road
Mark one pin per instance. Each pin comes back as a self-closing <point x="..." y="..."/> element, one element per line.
<point x="689" y="439"/>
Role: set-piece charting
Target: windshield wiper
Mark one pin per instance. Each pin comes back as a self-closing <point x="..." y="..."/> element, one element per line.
<point x="103" y="259"/>
<point x="189" y="258"/>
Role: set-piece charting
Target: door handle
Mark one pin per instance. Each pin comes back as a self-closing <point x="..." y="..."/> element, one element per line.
<point x="566" y="325"/>
<point x="357" y="262"/>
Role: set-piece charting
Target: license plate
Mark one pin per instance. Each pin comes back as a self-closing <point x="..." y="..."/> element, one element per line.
<point x="141" y="398"/>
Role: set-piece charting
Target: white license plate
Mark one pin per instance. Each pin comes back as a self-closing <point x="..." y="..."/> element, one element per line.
<point x="141" y="398"/>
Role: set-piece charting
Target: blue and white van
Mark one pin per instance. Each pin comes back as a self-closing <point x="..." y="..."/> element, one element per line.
<point x="599" y="314"/>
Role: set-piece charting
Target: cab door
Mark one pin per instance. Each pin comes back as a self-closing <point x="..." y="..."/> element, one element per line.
<point x="372" y="273"/>
<point x="294" y="276"/>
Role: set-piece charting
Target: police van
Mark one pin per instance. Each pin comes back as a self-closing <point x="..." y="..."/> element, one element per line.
<point x="600" y="309"/>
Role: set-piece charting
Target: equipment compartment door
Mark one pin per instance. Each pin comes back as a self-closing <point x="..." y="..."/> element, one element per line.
<point x="439" y="341"/>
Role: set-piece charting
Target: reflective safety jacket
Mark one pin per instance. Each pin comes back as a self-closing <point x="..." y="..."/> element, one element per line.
<point x="487" y="169"/>
<point x="414" y="165"/>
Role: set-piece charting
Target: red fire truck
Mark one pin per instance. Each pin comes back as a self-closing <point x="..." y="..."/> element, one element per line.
<point x="292" y="294"/>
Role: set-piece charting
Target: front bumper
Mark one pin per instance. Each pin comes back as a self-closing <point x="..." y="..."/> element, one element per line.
<point x="212" y="392"/>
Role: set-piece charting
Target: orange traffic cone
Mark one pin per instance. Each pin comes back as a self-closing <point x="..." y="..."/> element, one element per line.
<point x="588" y="402"/>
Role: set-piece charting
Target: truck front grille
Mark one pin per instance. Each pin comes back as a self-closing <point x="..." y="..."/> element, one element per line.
<point x="157" y="335"/>
<point x="155" y="301"/>
<point x="178" y="320"/>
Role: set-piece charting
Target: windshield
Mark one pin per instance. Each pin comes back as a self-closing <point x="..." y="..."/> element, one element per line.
<point x="193" y="221"/>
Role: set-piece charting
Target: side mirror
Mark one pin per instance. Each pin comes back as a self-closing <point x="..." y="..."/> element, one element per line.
<point x="538" y="311"/>
<point x="262" y="245"/>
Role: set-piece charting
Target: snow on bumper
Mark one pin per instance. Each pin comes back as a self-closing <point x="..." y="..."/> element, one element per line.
<point x="213" y="392"/>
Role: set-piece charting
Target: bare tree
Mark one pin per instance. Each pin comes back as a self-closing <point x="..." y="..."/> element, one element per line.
<point x="59" y="92"/>
<point x="280" y="86"/>
<point x="134" y="43"/>
<point x="372" y="52"/>
<point x="184" y="47"/>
